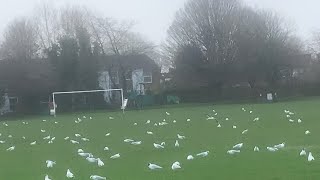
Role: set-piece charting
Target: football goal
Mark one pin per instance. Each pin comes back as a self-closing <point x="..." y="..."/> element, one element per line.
<point x="111" y="99"/>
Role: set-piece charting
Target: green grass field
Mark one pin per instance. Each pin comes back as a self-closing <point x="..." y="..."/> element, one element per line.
<point x="28" y="162"/>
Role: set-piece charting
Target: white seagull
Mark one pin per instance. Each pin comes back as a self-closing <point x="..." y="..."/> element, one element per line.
<point x="190" y="157"/>
<point x="33" y="143"/>
<point x="74" y="142"/>
<point x="307" y="132"/>
<point x="128" y="140"/>
<point x="47" y="137"/>
<point x="168" y="114"/>
<point x="136" y="143"/>
<point x="245" y="131"/>
<point x="85" y="139"/>
<point x="233" y="151"/>
<point x="149" y="132"/>
<point x="96" y="177"/>
<point x="203" y="154"/>
<point x="100" y="163"/>
<point x="69" y="174"/>
<point x="11" y="148"/>
<point x="50" y="163"/>
<point x="47" y="177"/>
<point x="80" y="151"/>
<point x="280" y="146"/>
<point x="154" y="166"/>
<point x="310" y="157"/>
<point x="238" y="146"/>
<point x="303" y="152"/>
<point x="106" y="148"/>
<point x="176" y="144"/>
<point x="91" y="159"/>
<point x="272" y="149"/>
<point x="158" y="146"/>
<point x="175" y="166"/>
<point x="256" y="149"/>
<point x="256" y="119"/>
<point x="115" y="156"/>
<point x="180" y="137"/>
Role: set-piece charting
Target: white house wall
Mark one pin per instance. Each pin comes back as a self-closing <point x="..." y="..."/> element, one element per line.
<point x="6" y="106"/>
<point x="137" y="79"/>
<point x="104" y="83"/>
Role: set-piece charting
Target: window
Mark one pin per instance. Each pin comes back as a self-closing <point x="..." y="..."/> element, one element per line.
<point x="147" y="77"/>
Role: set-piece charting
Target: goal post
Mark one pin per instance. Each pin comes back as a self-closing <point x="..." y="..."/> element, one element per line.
<point x="53" y="109"/>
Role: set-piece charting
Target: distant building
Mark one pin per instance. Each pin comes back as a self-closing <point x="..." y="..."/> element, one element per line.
<point x="141" y="74"/>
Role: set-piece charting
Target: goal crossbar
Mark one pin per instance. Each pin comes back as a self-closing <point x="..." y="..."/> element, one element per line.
<point x="78" y="92"/>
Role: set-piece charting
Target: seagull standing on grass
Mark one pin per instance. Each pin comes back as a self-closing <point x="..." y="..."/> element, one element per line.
<point x="128" y="140"/>
<point x="11" y="148"/>
<point x="203" y="154"/>
<point x="136" y="143"/>
<point x="238" y="146"/>
<point x="100" y="163"/>
<point x="154" y="166"/>
<point x="50" y="163"/>
<point x="303" y="152"/>
<point x="233" y="152"/>
<point x="245" y="131"/>
<point x="176" y="144"/>
<point x="69" y="174"/>
<point x="115" y="156"/>
<point x="92" y="160"/>
<point x="180" y="137"/>
<point x="175" y="166"/>
<point x="33" y="143"/>
<point x="96" y="177"/>
<point x="272" y="149"/>
<point x="280" y="146"/>
<point x="47" y="177"/>
<point x="74" y="142"/>
<point x="256" y="149"/>
<point x="158" y="146"/>
<point x="310" y="157"/>
<point x="190" y="157"/>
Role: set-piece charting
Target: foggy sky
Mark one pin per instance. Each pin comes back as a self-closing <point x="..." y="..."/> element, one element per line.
<point x="153" y="17"/>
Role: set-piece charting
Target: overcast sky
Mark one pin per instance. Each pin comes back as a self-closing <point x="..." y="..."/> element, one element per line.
<point x="153" y="17"/>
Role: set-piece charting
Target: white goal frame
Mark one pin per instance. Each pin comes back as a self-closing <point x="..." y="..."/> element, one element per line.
<point x="79" y="92"/>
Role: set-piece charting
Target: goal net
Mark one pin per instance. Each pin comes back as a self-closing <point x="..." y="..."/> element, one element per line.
<point x="73" y="101"/>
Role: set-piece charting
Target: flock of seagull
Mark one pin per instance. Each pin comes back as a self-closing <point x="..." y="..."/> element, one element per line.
<point x="152" y="165"/>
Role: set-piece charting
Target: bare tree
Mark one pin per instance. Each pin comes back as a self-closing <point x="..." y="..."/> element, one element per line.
<point x="46" y="18"/>
<point x="20" y="40"/>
